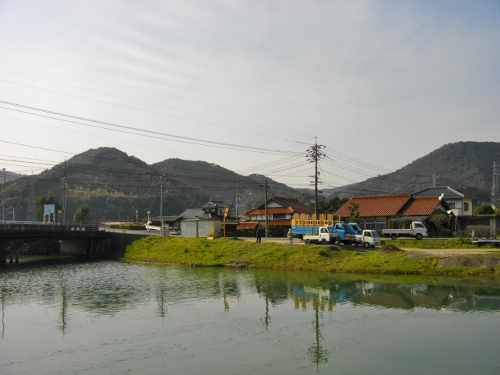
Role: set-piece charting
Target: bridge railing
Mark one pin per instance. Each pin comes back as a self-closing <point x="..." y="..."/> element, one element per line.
<point x="55" y="226"/>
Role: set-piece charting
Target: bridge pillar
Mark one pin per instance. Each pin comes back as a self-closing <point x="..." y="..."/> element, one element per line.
<point x="13" y="255"/>
<point x="3" y="254"/>
<point x="8" y="250"/>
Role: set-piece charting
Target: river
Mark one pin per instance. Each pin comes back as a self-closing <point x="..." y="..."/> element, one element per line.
<point x="110" y="317"/>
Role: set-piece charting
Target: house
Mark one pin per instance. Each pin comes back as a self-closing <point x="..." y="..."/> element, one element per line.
<point x="172" y="222"/>
<point x="458" y="203"/>
<point x="392" y="211"/>
<point x="280" y="212"/>
<point x="374" y="211"/>
<point x="207" y="220"/>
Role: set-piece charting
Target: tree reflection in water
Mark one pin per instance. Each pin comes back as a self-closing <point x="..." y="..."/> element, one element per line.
<point x="316" y="352"/>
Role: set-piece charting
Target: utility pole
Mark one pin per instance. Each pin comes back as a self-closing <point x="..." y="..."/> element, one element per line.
<point x="161" y="204"/>
<point x="265" y="207"/>
<point x="63" y="179"/>
<point x="265" y="210"/>
<point x="3" y="197"/>
<point x="314" y="154"/>
<point x="495" y="193"/>
<point x="30" y="212"/>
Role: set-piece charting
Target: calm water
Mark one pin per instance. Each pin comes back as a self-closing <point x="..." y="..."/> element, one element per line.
<point x="116" y="318"/>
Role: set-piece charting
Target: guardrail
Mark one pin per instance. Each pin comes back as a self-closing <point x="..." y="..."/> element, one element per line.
<point x="53" y="226"/>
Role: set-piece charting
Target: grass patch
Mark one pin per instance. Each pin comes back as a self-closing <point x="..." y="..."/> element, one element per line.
<point x="270" y="255"/>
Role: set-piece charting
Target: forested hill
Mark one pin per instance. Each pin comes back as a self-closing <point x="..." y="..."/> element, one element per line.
<point x="464" y="166"/>
<point x="116" y="185"/>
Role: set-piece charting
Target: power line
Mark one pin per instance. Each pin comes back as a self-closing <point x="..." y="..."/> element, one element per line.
<point x="137" y="131"/>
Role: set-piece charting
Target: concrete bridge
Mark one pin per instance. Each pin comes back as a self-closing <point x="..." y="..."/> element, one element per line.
<point x="73" y="238"/>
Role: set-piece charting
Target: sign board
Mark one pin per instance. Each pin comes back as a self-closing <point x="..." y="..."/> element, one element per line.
<point x="49" y="209"/>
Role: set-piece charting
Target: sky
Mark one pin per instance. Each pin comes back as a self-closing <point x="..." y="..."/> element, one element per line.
<point x="248" y="85"/>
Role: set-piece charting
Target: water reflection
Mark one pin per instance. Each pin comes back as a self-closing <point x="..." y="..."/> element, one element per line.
<point x="112" y="289"/>
<point x="108" y="287"/>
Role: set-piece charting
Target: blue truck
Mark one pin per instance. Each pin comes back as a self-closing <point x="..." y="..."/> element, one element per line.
<point x="347" y="234"/>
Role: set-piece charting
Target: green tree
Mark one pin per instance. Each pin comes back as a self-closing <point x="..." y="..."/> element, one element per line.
<point x="440" y="220"/>
<point x="484" y="209"/>
<point x="82" y="214"/>
<point x="331" y="206"/>
<point x="43" y="200"/>
<point x="353" y="212"/>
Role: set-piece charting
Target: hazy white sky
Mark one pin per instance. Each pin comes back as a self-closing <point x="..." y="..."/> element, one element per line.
<point x="248" y="85"/>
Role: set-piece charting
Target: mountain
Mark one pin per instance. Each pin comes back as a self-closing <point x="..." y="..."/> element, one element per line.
<point x="9" y="176"/>
<point x="465" y="166"/>
<point x="116" y="186"/>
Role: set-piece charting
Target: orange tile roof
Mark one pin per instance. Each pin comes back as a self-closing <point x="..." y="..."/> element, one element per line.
<point x="279" y="223"/>
<point x="423" y="206"/>
<point x="384" y="205"/>
<point x="247" y="225"/>
<point x="270" y="210"/>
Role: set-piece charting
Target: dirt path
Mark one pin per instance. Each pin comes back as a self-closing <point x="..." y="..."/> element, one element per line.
<point x="452" y="252"/>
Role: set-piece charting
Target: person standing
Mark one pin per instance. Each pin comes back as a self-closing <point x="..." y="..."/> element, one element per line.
<point x="290" y="237"/>
<point x="257" y="234"/>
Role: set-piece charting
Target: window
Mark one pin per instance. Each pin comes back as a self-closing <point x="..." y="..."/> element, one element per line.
<point x="466" y="206"/>
<point x="279" y="216"/>
<point x="375" y="224"/>
<point x="451" y="205"/>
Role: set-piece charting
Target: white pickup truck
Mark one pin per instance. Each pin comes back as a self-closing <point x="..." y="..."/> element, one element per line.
<point x="154" y="225"/>
<point x="417" y="230"/>
<point x="367" y="238"/>
<point x="324" y="235"/>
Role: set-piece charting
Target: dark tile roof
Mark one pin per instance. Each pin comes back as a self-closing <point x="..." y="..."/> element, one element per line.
<point x="192" y="213"/>
<point x="448" y="193"/>
<point x="292" y="203"/>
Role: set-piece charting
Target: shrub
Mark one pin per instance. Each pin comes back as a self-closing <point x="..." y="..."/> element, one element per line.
<point x="484" y="209"/>
<point x="479" y="230"/>
<point x="389" y="248"/>
<point x="323" y="253"/>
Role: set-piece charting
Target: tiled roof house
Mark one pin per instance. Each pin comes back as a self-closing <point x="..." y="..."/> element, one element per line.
<point x="279" y="210"/>
<point x="458" y="203"/>
<point x="380" y="212"/>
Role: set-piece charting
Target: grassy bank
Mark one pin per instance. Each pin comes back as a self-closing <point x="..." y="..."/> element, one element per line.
<point x="202" y="252"/>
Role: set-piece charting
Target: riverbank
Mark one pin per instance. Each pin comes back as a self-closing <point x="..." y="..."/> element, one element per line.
<point x="278" y="255"/>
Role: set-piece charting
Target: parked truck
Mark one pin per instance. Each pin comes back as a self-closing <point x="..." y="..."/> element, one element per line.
<point x="367" y="238"/>
<point x="299" y="231"/>
<point x="322" y="235"/>
<point x="345" y="231"/>
<point x="416" y="229"/>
